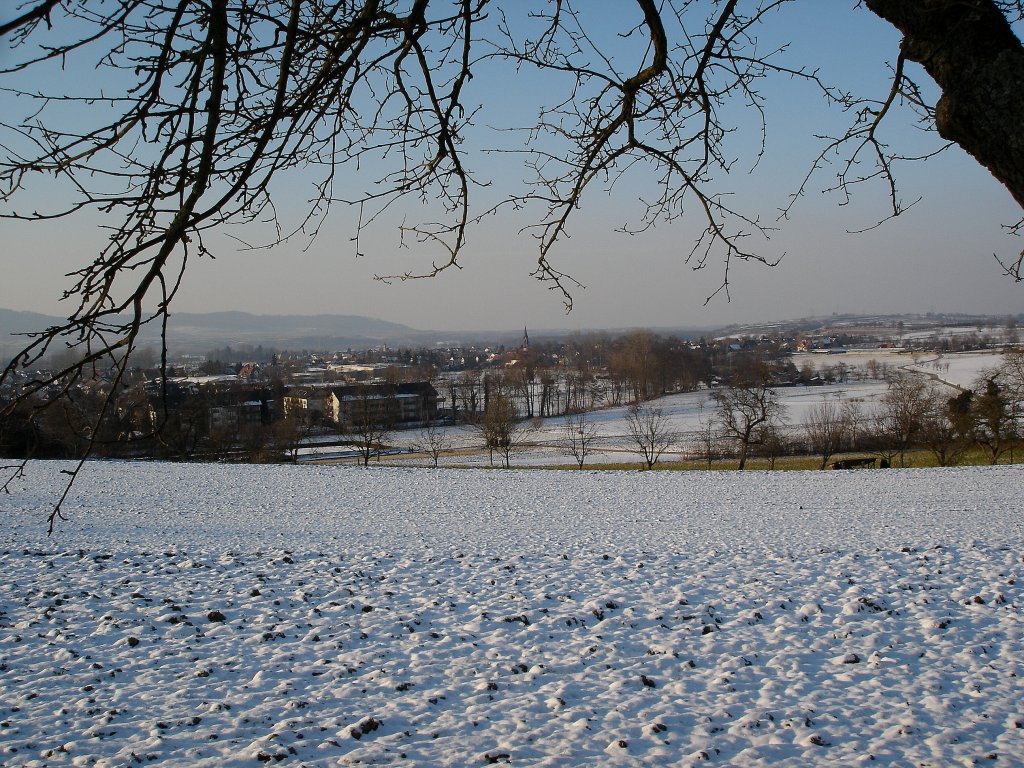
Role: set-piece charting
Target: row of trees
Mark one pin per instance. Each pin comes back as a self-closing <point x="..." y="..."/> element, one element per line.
<point x="584" y="373"/>
<point x="746" y="415"/>
<point x="914" y="413"/>
<point x="596" y="371"/>
<point x="749" y="419"/>
<point x="919" y="414"/>
<point x="185" y="423"/>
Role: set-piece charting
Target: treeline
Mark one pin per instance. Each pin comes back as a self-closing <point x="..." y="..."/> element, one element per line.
<point x="150" y="419"/>
<point x="915" y="414"/>
<point x="148" y="415"/>
<point x="749" y="419"/>
<point x="595" y="371"/>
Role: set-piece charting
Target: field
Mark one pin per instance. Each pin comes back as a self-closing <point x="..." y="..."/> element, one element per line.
<point x="209" y="615"/>
<point x="687" y="415"/>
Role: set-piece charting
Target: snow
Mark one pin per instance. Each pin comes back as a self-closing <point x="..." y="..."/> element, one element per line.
<point x="687" y="413"/>
<point x="962" y="369"/>
<point x="209" y="615"/>
<point x="949" y="331"/>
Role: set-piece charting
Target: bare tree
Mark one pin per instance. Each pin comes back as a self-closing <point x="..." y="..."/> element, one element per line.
<point x="1011" y="334"/>
<point x="635" y="362"/>
<point x="744" y="407"/>
<point x="855" y="425"/>
<point x="288" y="434"/>
<point x="367" y="419"/>
<point x="579" y="434"/>
<point x="581" y="391"/>
<point x="771" y="443"/>
<point x="520" y="381"/>
<point x="502" y="430"/>
<point x="898" y="420"/>
<point x="434" y="441"/>
<point x="707" y="442"/>
<point x="827" y="429"/>
<point x="194" y="112"/>
<point x="184" y="429"/>
<point x="467" y="391"/>
<point x="947" y="429"/>
<point x="1012" y="377"/>
<point x="649" y="430"/>
<point x="1013" y="372"/>
<point x="548" y="392"/>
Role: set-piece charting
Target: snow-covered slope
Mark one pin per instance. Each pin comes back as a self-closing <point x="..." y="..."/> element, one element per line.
<point x="685" y="416"/>
<point x="212" y="615"/>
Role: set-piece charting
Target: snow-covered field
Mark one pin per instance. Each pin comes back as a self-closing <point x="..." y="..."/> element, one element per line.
<point x="204" y="615"/>
<point x="960" y="369"/>
<point x="686" y="414"/>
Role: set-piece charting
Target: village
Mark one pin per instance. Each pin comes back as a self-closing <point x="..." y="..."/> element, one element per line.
<point x="261" y="406"/>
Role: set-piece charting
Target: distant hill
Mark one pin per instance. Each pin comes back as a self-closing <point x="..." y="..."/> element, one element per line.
<point x="284" y="331"/>
<point x="13" y="323"/>
<point x="865" y="324"/>
<point x="200" y="332"/>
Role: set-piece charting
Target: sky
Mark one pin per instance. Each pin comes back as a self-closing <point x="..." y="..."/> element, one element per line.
<point x="936" y="257"/>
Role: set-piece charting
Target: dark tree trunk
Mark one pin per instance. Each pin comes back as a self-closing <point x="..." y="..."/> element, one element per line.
<point x="969" y="49"/>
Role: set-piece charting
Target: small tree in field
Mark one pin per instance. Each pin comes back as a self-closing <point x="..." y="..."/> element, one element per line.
<point x="707" y="442"/>
<point x="827" y="429"/>
<point x="649" y="431"/>
<point x="579" y="433"/>
<point x="501" y="428"/>
<point x="1012" y="371"/>
<point x="772" y="443"/>
<point x="898" y="421"/>
<point x="992" y="416"/>
<point x="948" y="427"/>
<point x="368" y="422"/>
<point x="745" y="408"/>
<point x="434" y="441"/>
<point x="1012" y="379"/>
<point x="288" y="434"/>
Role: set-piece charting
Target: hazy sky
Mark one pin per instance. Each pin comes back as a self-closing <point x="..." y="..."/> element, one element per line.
<point x="937" y="257"/>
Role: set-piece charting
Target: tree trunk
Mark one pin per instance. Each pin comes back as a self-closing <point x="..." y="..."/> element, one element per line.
<point x="969" y="49"/>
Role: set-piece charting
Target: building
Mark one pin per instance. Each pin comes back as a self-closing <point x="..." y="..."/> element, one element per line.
<point x="407" y="403"/>
<point x="310" y="402"/>
<point x="232" y="418"/>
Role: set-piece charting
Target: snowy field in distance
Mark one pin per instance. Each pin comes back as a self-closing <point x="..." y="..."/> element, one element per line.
<point x="208" y="615"/>
<point x="961" y="369"/>
<point x="687" y="413"/>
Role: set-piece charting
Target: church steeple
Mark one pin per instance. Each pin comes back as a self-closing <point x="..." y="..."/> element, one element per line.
<point x="526" y="339"/>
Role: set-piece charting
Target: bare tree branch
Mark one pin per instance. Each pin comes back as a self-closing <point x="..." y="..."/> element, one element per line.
<point x="198" y="109"/>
